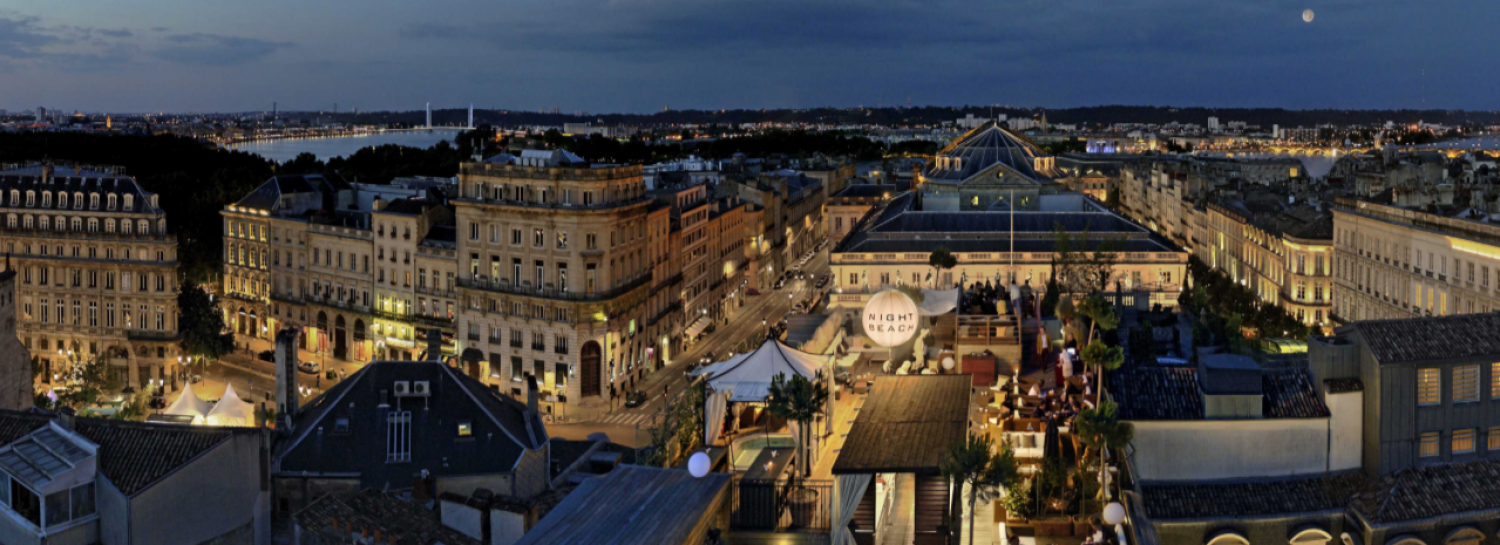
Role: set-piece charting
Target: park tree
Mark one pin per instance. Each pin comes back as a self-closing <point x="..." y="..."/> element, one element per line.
<point x="941" y="260"/>
<point x="204" y="334"/>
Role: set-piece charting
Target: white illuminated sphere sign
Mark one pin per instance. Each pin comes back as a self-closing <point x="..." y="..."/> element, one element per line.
<point x="890" y="318"/>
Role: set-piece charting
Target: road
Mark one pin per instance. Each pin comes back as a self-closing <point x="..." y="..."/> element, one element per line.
<point x="625" y="426"/>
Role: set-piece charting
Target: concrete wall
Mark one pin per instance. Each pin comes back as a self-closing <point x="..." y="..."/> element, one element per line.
<point x="82" y="534"/>
<point x="506" y="527"/>
<point x="13" y="531"/>
<point x="211" y="496"/>
<point x="1228" y="449"/>
<point x="1347" y="426"/>
<point x="114" y="515"/>
<point x="461" y="517"/>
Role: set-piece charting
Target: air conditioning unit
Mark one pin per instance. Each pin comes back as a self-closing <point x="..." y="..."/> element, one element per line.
<point x="421" y="388"/>
<point x="403" y="388"/>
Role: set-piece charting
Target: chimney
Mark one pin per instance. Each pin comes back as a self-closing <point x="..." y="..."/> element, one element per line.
<point x="1231" y="387"/>
<point x="286" y="376"/>
<point x="46" y="173"/>
<point x="531" y="394"/>
<point x="434" y="345"/>
<point x="65" y="418"/>
<point x="377" y="204"/>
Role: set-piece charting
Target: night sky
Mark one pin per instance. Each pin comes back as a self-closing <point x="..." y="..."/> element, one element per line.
<point x="643" y="55"/>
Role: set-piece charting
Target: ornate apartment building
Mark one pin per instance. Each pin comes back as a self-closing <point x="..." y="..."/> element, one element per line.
<point x="1392" y="262"/>
<point x="1284" y="256"/>
<point x="96" y="271"/>
<point x="305" y="250"/>
<point x="556" y="277"/>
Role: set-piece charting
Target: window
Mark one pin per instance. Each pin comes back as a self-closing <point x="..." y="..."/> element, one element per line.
<point x="515" y="368"/>
<point x="1494" y="439"/>
<point x="341" y="425"/>
<point x="398" y="437"/>
<point x="1429" y="386"/>
<point x="473" y="231"/>
<point x="1495" y="381"/>
<point x="25" y="503"/>
<point x="1428" y="445"/>
<point x="1466" y="384"/>
<point x="515" y="237"/>
<point x="1463" y="441"/>
<point x="465" y="428"/>
<point x="538" y="237"/>
<point x="561" y="377"/>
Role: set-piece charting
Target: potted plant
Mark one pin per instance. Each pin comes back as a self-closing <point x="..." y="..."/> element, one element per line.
<point x="985" y="470"/>
<point x="799" y="400"/>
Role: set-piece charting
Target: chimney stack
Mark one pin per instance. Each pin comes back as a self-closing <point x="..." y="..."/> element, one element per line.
<point x="531" y="394"/>
<point x="65" y="418"/>
<point x="46" y="173"/>
<point x="434" y="345"/>
<point x="286" y="376"/>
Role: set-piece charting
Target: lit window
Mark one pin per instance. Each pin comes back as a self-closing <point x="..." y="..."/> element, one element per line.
<point x="1429" y="386"/>
<point x="1463" y="441"/>
<point x="1495" y="380"/>
<point x="465" y="428"/>
<point x="1494" y="439"/>
<point x="1428" y="445"/>
<point x="1466" y="384"/>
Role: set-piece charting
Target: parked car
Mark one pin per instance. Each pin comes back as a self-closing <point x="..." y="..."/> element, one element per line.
<point x="266" y="355"/>
<point x="635" y="399"/>
<point x="309" y="367"/>
<point x="752" y="292"/>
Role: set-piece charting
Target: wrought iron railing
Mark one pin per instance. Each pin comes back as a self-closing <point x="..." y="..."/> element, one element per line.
<point x="768" y="505"/>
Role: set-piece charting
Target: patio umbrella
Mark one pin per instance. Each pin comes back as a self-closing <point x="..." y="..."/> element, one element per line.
<point x="1051" y="442"/>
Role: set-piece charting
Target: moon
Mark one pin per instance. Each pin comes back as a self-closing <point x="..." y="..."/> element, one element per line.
<point x="1307" y="16"/>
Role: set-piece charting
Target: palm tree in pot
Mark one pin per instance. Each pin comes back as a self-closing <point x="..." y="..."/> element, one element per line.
<point x="799" y="400"/>
<point x="974" y="463"/>
<point x="1100" y="429"/>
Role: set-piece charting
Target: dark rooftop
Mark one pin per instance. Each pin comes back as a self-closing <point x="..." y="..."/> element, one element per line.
<point x="1172" y="393"/>
<point x="1432" y="491"/>
<point x="1455" y="337"/>
<point x="632" y="505"/>
<point x="906" y="424"/>
<point x="335" y="516"/>
<point x="1243" y="499"/>
<point x="1342" y="385"/>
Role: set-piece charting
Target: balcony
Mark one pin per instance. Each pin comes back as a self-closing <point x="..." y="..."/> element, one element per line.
<point x="151" y="335"/>
<point x="526" y="289"/>
<point x="415" y="319"/>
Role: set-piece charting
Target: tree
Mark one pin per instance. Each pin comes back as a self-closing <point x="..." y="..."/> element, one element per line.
<point x="1104" y="358"/>
<point x="1050" y="299"/>
<point x="680" y="429"/>
<point x="87" y="381"/>
<point x="1101" y="315"/>
<point x="1078" y="270"/>
<point x="941" y="260"/>
<point x="798" y="400"/>
<point x="972" y="462"/>
<point x="1100" y="429"/>
<point x="204" y="334"/>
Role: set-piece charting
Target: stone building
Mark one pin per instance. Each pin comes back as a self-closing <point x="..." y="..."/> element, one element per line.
<point x="1281" y="253"/>
<point x="19" y="387"/>
<point x="1397" y="263"/>
<point x="987" y="165"/>
<point x="96" y="271"/>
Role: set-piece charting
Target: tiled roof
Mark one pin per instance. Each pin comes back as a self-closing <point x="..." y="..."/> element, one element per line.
<point x="632" y="505"/>
<point x="1172" y="393"/>
<point x="1228" y="500"/>
<point x="136" y="455"/>
<point x="133" y="455"/>
<point x="86" y="182"/>
<point x="1432" y="491"/>
<point x="1437" y="338"/>
<point x="1168" y="393"/>
<point x="336" y="516"/>
<point x="1290" y="394"/>
<point x="907" y="424"/>
<point x="1342" y="385"/>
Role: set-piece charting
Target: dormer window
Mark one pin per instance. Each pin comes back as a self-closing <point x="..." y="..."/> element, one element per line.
<point x="62" y="200"/>
<point x="129" y="202"/>
<point x="465" y="428"/>
<point x="46" y="199"/>
<point x="111" y="201"/>
<point x="78" y="201"/>
<point x="93" y="201"/>
<point x="30" y="198"/>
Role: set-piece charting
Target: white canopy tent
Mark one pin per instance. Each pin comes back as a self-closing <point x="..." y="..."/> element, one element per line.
<point x="747" y="378"/>
<point x="938" y="302"/>
<point x="189" y="404"/>
<point x="231" y="411"/>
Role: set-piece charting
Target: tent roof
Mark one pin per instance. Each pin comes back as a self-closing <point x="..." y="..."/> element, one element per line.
<point x="748" y="376"/>
<point x="231" y="410"/>
<point x="938" y="302"/>
<point x="188" y="404"/>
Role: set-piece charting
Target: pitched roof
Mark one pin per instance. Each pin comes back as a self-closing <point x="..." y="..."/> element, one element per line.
<point x="906" y="424"/>
<point x="501" y="428"/>
<point x="86" y="182"/>
<point x="632" y="505"/>
<point x="336" y="516"/>
<point x="1240" y="499"/>
<point x="133" y="455"/>
<point x="1431" y="491"/>
<point x="981" y="148"/>
<point x="1455" y="337"/>
<point x="1172" y="393"/>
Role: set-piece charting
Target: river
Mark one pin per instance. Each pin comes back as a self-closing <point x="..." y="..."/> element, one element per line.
<point x="285" y="150"/>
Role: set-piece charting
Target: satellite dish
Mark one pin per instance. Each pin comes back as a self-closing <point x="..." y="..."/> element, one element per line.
<point x="698" y="464"/>
<point x="1307" y="15"/>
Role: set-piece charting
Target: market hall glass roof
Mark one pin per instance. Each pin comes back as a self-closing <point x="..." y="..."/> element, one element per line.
<point x="982" y="148"/>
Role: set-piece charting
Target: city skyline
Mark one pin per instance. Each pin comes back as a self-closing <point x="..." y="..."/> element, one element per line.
<point x="641" y="57"/>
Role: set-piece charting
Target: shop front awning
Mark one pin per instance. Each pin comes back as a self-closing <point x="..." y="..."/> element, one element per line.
<point x="697" y="327"/>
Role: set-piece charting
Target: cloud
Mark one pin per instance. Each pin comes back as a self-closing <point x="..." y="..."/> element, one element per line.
<point x="201" y="49"/>
<point x="21" y="38"/>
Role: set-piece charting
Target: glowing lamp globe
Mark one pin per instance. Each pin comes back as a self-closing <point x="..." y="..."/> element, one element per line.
<point x="948" y="363"/>
<point x="890" y="318"/>
<point x="698" y="464"/>
<point x="1114" y="513"/>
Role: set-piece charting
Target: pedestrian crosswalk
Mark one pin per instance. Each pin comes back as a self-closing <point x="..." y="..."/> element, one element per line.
<point x="624" y="419"/>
